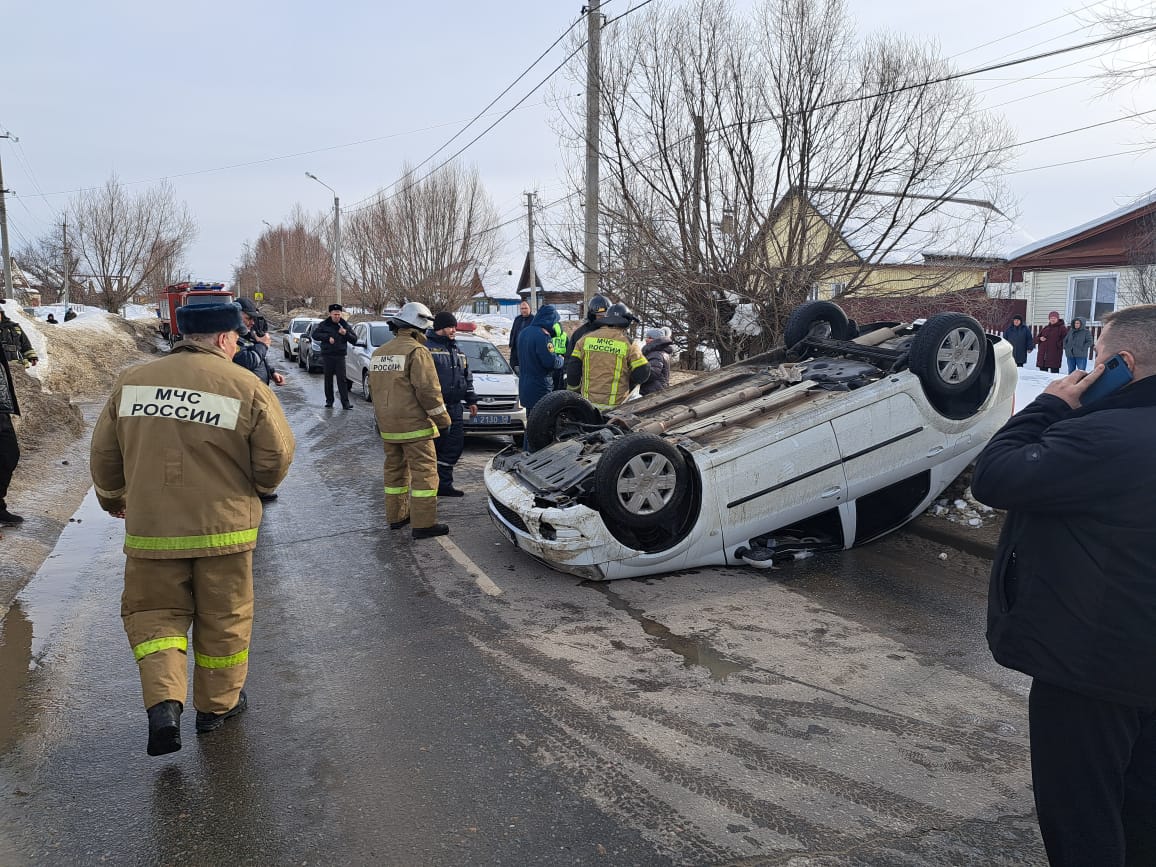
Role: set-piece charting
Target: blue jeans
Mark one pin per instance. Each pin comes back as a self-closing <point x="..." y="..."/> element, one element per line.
<point x="1077" y="364"/>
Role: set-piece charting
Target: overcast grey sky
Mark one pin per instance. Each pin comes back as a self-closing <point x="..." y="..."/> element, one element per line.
<point x="181" y="91"/>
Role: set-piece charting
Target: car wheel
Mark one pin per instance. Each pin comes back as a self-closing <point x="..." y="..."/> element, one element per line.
<point x="365" y="386"/>
<point x="641" y="481"/>
<point x="816" y="319"/>
<point x="947" y="353"/>
<point x="553" y="413"/>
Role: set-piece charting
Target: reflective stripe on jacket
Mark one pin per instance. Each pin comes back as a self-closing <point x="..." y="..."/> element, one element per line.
<point x="184" y="445"/>
<point x="407" y="395"/>
<point x="608" y="357"/>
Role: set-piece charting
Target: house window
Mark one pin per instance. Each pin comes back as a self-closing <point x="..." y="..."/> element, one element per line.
<point x="481" y="307"/>
<point x="1092" y="297"/>
<point x="838" y="289"/>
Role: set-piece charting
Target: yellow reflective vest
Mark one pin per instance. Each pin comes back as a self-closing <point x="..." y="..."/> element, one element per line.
<point x="184" y="445"/>
<point x="608" y="357"/>
<point x="407" y="395"/>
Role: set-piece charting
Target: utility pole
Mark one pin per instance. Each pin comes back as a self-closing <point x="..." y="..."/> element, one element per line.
<point x="8" y="293"/>
<point x="593" y="96"/>
<point x="64" y="267"/>
<point x="533" y="275"/>
<point x="337" y="245"/>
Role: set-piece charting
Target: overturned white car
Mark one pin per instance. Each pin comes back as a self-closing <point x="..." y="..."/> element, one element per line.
<point x="840" y="436"/>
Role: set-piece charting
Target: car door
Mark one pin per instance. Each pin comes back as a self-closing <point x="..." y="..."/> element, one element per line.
<point x="354" y="358"/>
<point x="770" y="486"/>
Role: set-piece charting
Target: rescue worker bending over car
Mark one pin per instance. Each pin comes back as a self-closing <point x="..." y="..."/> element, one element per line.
<point x="181" y="452"/>
<point x="407" y="401"/>
<point x="605" y="365"/>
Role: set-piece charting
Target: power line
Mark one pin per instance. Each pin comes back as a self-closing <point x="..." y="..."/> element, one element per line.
<point x="490" y="105"/>
<point x="1025" y="30"/>
<point x="1138" y="150"/>
<point x="610" y="21"/>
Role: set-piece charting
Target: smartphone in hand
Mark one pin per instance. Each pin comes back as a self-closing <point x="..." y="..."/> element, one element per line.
<point x="1115" y="376"/>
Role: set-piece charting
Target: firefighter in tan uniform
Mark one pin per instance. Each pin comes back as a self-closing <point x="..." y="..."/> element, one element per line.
<point x="182" y="451"/>
<point x="605" y="365"/>
<point x="407" y="401"/>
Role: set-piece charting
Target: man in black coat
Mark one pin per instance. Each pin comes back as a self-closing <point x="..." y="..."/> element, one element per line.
<point x="1072" y="600"/>
<point x="335" y="336"/>
<point x="521" y="321"/>
<point x="9" y="447"/>
<point x="457" y="391"/>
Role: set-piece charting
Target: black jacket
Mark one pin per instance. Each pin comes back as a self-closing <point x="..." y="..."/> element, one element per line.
<point x="8" y="403"/>
<point x="252" y="355"/>
<point x="658" y="353"/>
<point x="1072" y="599"/>
<point x="327" y="328"/>
<point x="520" y="322"/>
<point x="453" y="373"/>
<point x="1021" y="340"/>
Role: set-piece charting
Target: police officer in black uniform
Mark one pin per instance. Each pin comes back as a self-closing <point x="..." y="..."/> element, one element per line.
<point x="457" y="390"/>
<point x="335" y="336"/>
<point x="9" y="448"/>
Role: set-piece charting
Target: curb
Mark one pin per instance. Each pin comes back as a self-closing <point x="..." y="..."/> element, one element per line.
<point x="952" y="535"/>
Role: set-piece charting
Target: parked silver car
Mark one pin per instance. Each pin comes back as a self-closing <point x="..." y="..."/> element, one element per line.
<point x="290" y="335"/>
<point x="368" y="336"/>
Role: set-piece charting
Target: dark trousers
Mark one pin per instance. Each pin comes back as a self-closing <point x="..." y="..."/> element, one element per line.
<point x="449" y="446"/>
<point x="1094" y="775"/>
<point x="9" y="455"/>
<point x="334" y="365"/>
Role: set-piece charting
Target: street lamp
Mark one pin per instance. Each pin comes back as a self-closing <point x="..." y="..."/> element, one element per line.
<point x="336" y="234"/>
<point x="281" y="235"/>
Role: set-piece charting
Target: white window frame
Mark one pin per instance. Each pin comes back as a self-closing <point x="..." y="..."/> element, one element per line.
<point x="1089" y="321"/>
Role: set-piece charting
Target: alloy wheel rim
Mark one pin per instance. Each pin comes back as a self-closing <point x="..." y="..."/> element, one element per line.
<point x="646" y="484"/>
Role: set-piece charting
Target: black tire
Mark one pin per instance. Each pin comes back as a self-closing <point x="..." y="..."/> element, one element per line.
<point x="365" y="387"/>
<point x="641" y="481"/>
<point x="554" y="410"/>
<point x="816" y="319"/>
<point x="947" y="353"/>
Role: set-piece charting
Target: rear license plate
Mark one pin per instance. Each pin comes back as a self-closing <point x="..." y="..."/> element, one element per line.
<point x="504" y="530"/>
<point x="490" y="419"/>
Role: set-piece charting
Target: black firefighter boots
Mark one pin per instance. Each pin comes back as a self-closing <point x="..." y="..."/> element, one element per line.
<point x="7" y="518"/>
<point x="397" y="525"/>
<point x="450" y="491"/>
<point x="164" y="728"/>
<point x="430" y="532"/>
<point x="210" y="722"/>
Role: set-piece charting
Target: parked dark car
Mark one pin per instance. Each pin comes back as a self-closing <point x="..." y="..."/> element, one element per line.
<point x="309" y="351"/>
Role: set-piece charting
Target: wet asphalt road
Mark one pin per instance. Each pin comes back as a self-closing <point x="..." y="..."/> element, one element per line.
<point x="842" y="710"/>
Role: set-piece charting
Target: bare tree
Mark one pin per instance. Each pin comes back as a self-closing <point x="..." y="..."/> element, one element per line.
<point x="299" y="278"/>
<point x="1137" y="65"/>
<point x="424" y="241"/>
<point x="129" y="243"/>
<point x="751" y="159"/>
<point x="1139" y="287"/>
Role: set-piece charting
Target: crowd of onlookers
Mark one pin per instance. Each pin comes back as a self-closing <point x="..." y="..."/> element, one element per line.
<point x="1054" y="342"/>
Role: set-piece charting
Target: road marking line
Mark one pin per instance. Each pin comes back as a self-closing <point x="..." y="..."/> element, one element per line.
<point x="483" y="581"/>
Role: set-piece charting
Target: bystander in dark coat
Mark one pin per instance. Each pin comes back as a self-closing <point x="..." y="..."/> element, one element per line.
<point x="1020" y="338"/>
<point x="537" y="358"/>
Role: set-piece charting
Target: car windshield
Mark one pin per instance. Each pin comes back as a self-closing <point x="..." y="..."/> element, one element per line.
<point x="379" y="334"/>
<point x="484" y="357"/>
<point x="298" y="325"/>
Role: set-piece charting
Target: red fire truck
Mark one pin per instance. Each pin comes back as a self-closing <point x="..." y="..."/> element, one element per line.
<point x="180" y="294"/>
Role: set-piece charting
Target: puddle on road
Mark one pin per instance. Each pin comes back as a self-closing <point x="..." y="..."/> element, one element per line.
<point x="694" y="651"/>
<point x="52" y="591"/>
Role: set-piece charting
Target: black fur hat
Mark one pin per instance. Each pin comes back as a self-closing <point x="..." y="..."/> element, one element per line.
<point x="209" y="318"/>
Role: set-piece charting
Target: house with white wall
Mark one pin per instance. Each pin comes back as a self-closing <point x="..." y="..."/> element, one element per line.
<point x="1088" y="270"/>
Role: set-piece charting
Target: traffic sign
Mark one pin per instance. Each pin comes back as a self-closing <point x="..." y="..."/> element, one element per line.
<point x="258" y="296"/>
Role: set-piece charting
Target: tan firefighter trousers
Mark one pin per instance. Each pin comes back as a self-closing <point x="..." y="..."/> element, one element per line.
<point x="214" y="595"/>
<point x="411" y="483"/>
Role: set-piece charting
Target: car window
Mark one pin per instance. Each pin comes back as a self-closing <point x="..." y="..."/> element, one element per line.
<point x="379" y="334"/>
<point x="298" y="325"/>
<point x="484" y="357"/>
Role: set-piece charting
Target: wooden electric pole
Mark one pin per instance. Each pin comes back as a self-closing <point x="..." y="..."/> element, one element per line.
<point x="532" y="279"/>
<point x="593" y="95"/>
<point x="8" y="293"/>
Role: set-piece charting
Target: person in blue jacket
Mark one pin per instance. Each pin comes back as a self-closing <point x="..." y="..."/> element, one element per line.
<point x="1020" y="338"/>
<point x="537" y="359"/>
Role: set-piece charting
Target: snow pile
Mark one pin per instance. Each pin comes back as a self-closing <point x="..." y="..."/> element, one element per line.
<point x="962" y="509"/>
<point x="491" y="327"/>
